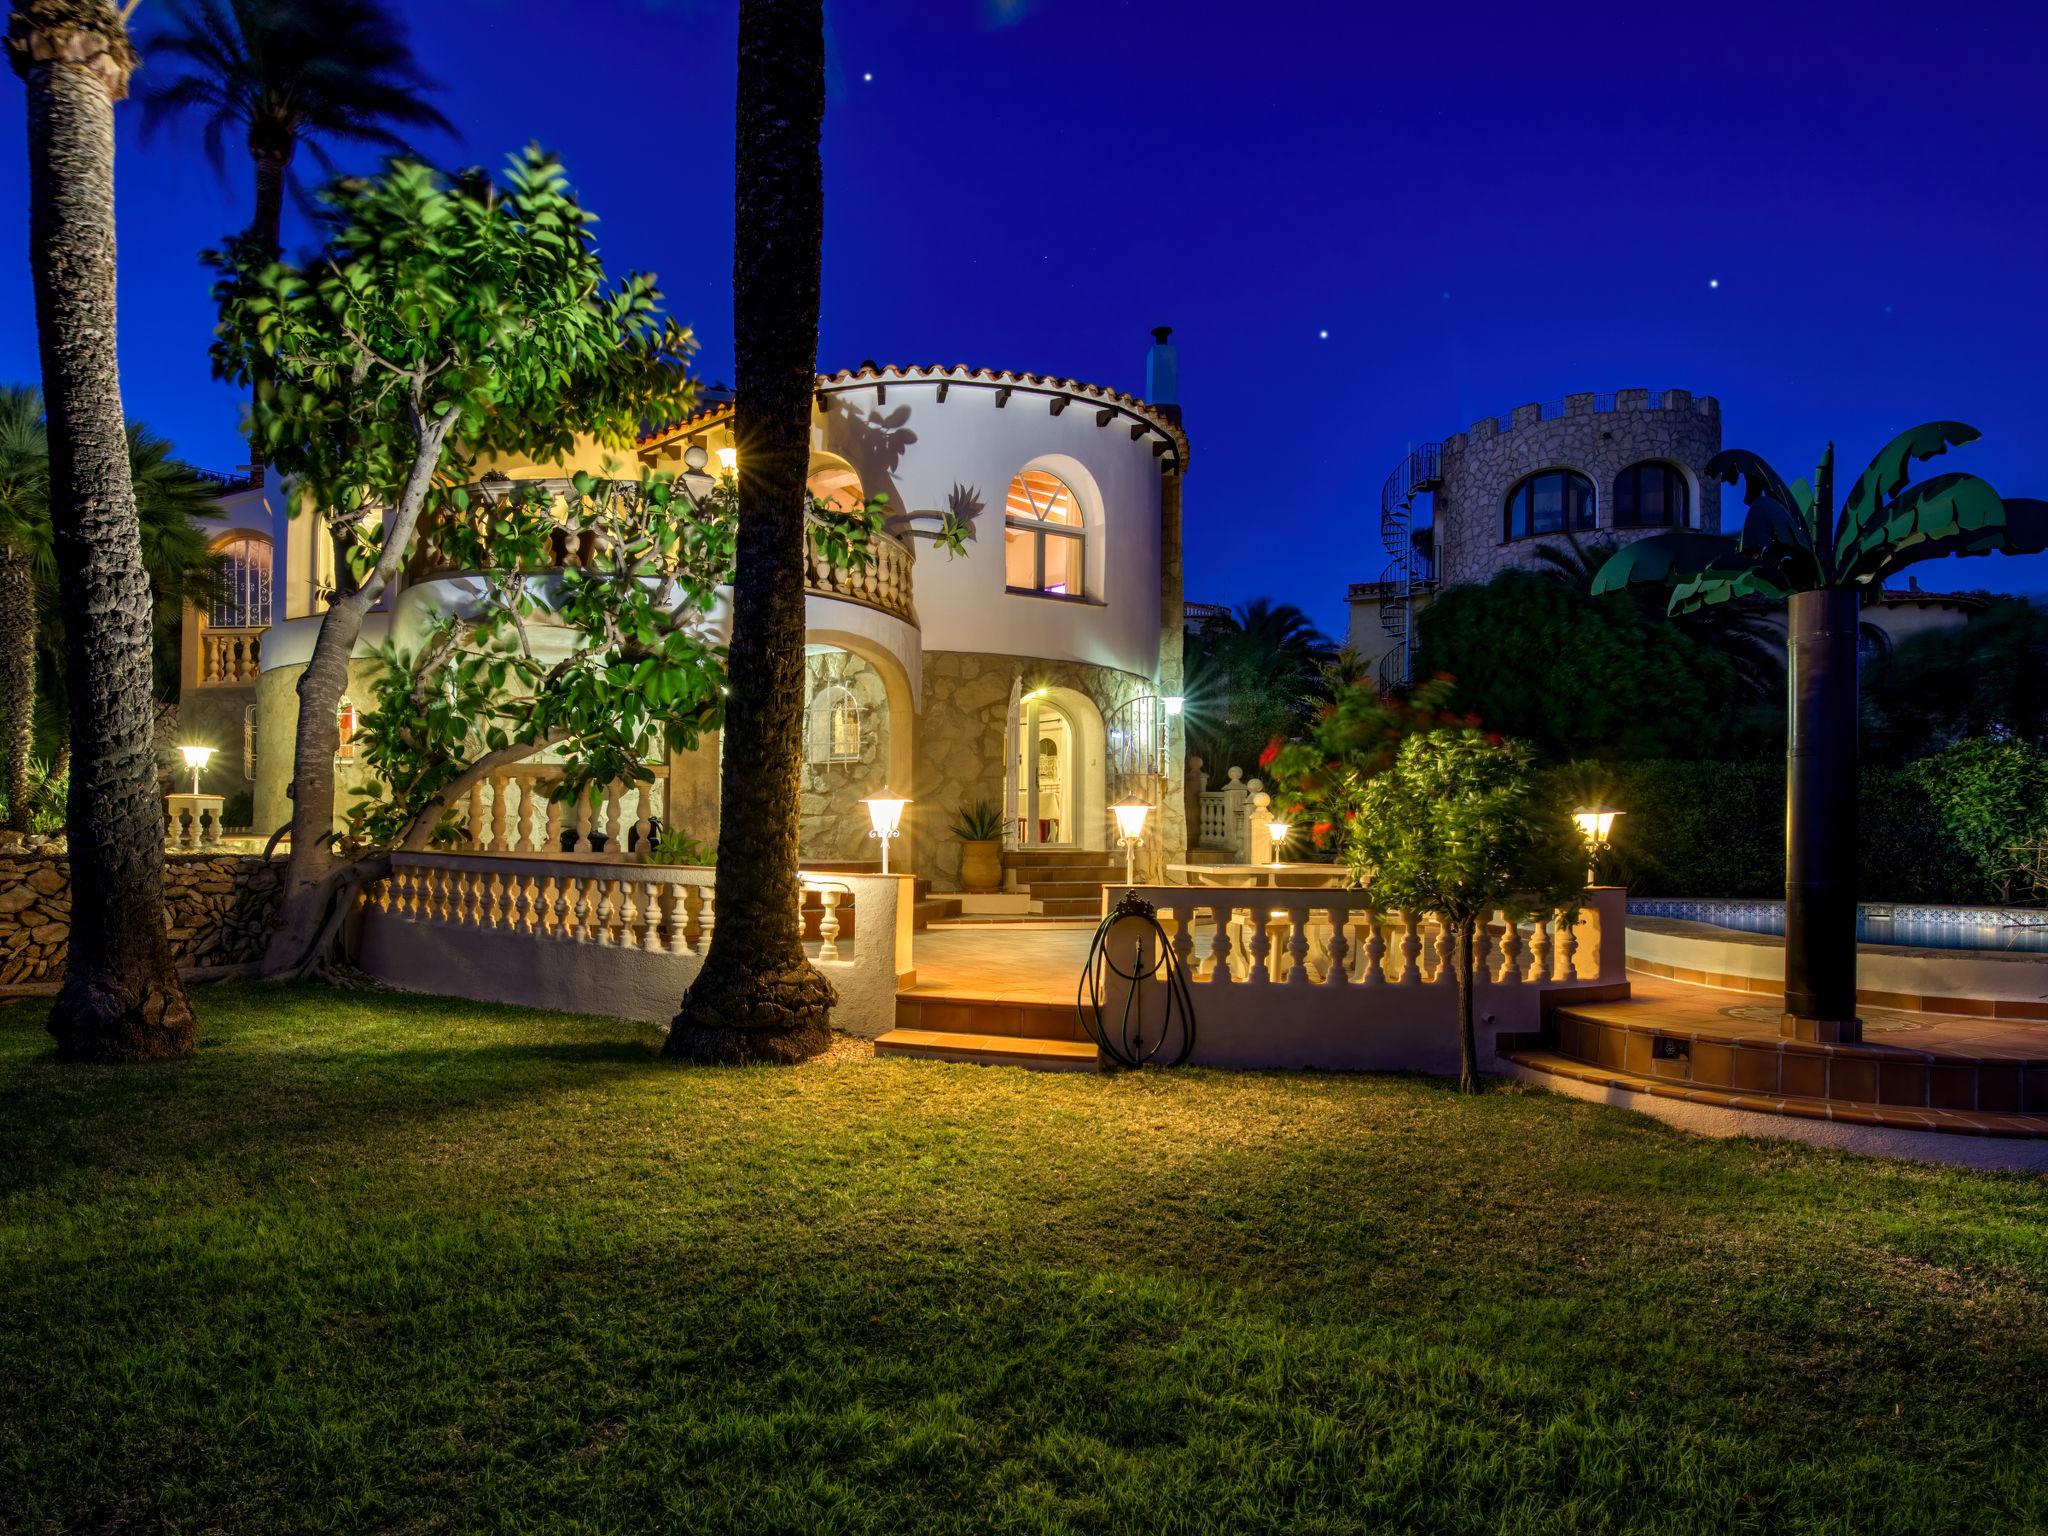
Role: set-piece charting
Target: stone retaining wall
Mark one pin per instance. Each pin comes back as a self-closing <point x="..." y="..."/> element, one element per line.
<point x="219" y="908"/>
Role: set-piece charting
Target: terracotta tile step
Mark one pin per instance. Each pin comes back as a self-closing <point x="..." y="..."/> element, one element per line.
<point x="1890" y="1116"/>
<point x="1015" y="1017"/>
<point x="1055" y="858"/>
<point x="1072" y="906"/>
<point x="988" y="1050"/>
<point x="1042" y="890"/>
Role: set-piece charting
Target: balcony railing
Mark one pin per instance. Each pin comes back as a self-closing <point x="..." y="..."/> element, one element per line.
<point x="228" y="657"/>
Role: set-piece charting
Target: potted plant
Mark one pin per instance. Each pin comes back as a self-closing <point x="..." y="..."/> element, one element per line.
<point x="980" y="831"/>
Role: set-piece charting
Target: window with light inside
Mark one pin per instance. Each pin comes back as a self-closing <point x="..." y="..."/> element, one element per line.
<point x="1042" y="539"/>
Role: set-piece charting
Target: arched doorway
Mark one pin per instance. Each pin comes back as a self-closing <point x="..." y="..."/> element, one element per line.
<point x="1055" y="776"/>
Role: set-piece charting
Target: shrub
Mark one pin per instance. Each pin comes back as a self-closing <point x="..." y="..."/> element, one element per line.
<point x="1992" y="799"/>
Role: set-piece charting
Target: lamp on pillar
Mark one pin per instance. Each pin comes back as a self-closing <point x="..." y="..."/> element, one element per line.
<point x="1596" y="825"/>
<point x="196" y="758"/>
<point x="1130" y="831"/>
<point x="885" y="817"/>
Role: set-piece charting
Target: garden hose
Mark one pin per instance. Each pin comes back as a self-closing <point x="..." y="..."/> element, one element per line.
<point x="1130" y="1048"/>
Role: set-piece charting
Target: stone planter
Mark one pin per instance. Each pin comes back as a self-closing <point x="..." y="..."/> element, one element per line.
<point x="981" y="865"/>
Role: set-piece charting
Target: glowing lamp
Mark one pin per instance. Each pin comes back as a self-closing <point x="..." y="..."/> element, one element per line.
<point x="1130" y="831"/>
<point x="1174" y="703"/>
<point x="196" y="758"/>
<point x="885" y="819"/>
<point x="729" y="460"/>
<point x="1278" y="831"/>
<point x="1596" y="825"/>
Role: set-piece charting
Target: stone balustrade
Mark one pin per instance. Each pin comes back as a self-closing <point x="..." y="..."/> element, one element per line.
<point x="1226" y="816"/>
<point x="611" y="935"/>
<point x="1365" y="988"/>
<point x="229" y="656"/>
<point x="511" y="812"/>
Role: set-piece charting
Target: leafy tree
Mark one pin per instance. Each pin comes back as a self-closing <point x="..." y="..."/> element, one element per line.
<point x="1252" y="678"/>
<point x="121" y="999"/>
<point x="1988" y="677"/>
<point x="1461" y="824"/>
<point x="1796" y="546"/>
<point x="442" y="321"/>
<point x="1992" y="796"/>
<point x="176" y="552"/>
<point x="1578" y="676"/>
<point x="758" y="998"/>
<point x="285" y="74"/>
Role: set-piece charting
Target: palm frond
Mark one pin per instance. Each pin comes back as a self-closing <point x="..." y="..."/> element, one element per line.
<point x="1887" y="474"/>
<point x="1659" y="559"/>
<point x="2022" y="530"/>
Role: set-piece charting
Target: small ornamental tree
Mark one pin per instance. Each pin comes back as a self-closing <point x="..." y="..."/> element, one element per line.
<point x="1460" y="824"/>
<point x="442" y="321"/>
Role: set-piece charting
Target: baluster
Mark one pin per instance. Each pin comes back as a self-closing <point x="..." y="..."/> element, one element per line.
<point x="1482" y="952"/>
<point x="828" y="926"/>
<point x="1220" y="944"/>
<point x="581" y="844"/>
<point x="678" y="919"/>
<point x="650" y="919"/>
<point x="521" y="912"/>
<point x="551" y="834"/>
<point x="1539" y="959"/>
<point x="1260" y="945"/>
<point x="551" y="921"/>
<point x="1375" y="950"/>
<point x="1184" y="938"/>
<point x="1510" y="951"/>
<point x="577" y="888"/>
<point x="614" y="815"/>
<point x="705" y="915"/>
<point x="628" y="914"/>
<point x="606" y="912"/>
<point x="1411" y="950"/>
<point x="473" y="823"/>
<point x="500" y="783"/>
<point x="1339" y="973"/>
<point x="1297" y="947"/>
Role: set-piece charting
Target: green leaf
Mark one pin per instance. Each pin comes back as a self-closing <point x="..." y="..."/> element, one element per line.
<point x="1886" y="476"/>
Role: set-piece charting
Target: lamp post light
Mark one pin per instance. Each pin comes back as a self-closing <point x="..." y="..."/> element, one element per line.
<point x="1277" y="832"/>
<point x="196" y="758"/>
<point x="885" y="815"/>
<point x="1596" y="825"/>
<point x="1130" y="831"/>
<point x="1174" y="703"/>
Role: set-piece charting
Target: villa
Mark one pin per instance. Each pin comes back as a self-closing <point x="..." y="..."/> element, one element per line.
<point x="1038" y="671"/>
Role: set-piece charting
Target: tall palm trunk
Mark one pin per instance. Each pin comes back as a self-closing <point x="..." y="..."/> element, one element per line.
<point x="1820" y="817"/>
<point x="121" y="1000"/>
<point x="267" y="229"/>
<point x="758" y="998"/>
<point x="17" y="680"/>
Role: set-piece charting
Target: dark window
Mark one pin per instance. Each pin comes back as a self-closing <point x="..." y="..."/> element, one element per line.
<point x="1552" y="502"/>
<point x="1652" y="496"/>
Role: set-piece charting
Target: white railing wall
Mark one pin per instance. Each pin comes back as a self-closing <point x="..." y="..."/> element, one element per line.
<point x="1323" y="978"/>
<point x="611" y="935"/>
<point x="509" y="812"/>
<point x="1227" y="814"/>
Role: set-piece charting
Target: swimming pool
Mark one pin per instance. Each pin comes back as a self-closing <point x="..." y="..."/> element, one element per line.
<point x="2018" y="929"/>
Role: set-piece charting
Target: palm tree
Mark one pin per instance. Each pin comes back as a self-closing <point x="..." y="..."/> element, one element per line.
<point x="285" y="74"/>
<point x="1252" y="676"/>
<point x="24" y="539"/>
<point x="121" y="999"/>
<point x="758" y="998"/>
<point x="1794" y="546"/>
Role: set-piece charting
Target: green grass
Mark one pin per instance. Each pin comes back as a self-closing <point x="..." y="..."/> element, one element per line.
<point x="394" y="1263"/>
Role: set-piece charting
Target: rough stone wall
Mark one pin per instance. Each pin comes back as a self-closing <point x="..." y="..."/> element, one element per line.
<point x="835" y="823"/>
<point x="218" y="907"/>
<point x="960" y="742"/>
<point x="1481" y="466"/>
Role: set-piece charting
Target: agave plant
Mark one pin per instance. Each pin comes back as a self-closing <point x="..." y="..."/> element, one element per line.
<point x="1794" y="545"/>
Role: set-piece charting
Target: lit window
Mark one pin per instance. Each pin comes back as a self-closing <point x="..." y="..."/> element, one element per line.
<point x="245" y="585"/>
<point x="832" y="733"/>
<point x="1557" y="501"/>
<point x="1652" y="496"/>
<point x="1042" y="538"/>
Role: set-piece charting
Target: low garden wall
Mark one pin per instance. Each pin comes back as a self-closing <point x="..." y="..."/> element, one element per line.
<point x="219" y="908"/>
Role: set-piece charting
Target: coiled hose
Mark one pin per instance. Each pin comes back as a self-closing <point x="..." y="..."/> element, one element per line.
<point x="1129" y="1048"/>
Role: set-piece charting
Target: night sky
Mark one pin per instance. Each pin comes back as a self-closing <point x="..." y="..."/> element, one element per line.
<point x="1368" y="224"/>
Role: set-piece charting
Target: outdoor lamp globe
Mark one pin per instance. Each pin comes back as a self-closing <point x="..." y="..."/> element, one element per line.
<point x="196" y="758"/>
<point x="1130" y="831"/>
<point x="1278" y="831"/>
<point x="885" y="821"/>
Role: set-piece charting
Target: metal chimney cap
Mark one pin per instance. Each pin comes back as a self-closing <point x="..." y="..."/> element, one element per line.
<point x="1160" y="333"/>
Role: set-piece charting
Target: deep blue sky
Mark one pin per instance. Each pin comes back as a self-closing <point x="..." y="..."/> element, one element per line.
<point x="1481" y="204"/>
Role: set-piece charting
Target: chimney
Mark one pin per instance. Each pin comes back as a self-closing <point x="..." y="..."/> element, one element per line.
<point x="1162" y="370"/>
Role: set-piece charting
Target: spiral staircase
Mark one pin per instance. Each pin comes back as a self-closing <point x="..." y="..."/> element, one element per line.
<point x="1412" y="561"/>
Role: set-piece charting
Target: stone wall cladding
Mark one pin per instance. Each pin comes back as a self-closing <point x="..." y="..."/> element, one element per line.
<point x="1481" y="466"/>
<point x="835" y="824"/>
<point x="219" y="909"/>
<point x="960" y="741"/>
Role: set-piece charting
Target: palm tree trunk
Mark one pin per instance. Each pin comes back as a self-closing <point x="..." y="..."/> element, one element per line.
<point x="1468" y="1044"/>
<point x="121" y="1000"/>
<point x="1820" y="818"/>
<point x="758" y="998"/>
<point x="267" y="229"/>
<point x="18" y="680"/>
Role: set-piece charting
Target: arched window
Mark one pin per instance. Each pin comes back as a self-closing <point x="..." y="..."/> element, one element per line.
<point x="245" y="586"/>
<point x="1872" y="644"/>
<point x="1652" y="496"/>
<point x="1556" y="501"/>
<point x="837" y="486"/>
<point x="832" y="728"/>
<point x="1042" y="540"/>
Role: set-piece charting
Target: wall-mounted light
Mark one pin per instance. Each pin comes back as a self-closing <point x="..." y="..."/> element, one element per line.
<point x="1174" y="703"/>
<point x="729" y="460"/>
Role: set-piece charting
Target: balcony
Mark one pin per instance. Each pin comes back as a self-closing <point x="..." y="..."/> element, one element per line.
<point x="229" y="658"/>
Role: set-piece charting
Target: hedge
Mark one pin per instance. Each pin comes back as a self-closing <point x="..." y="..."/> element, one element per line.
<point x="1709" y="829"/>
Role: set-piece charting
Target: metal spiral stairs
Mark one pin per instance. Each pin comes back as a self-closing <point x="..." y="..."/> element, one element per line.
<point x="1421" y="471"/>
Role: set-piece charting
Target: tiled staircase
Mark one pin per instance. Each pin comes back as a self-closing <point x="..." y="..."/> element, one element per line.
<point x="931" y="908"/>
<point x="1062" y="882"/>
<point x="989" y="1032"/>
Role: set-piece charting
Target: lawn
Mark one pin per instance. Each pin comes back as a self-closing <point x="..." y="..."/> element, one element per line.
<point x="377" y="1262"/>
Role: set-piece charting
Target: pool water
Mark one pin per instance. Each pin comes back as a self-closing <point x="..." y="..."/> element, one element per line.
<point x="1916" y="926"/>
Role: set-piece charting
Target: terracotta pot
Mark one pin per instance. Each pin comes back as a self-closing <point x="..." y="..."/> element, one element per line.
<point x="981" y="865"/>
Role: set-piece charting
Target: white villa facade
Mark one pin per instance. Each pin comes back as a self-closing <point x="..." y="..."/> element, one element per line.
<point x="1034" y="671"/>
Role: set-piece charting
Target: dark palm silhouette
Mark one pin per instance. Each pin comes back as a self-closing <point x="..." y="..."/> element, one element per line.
<point x="1252" y="676"/>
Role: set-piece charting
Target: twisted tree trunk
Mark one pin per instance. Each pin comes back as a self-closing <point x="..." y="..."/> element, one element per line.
<point x="758" y="998"/>
<point x="121" y="1000"/>
<point x="17" y="680"/>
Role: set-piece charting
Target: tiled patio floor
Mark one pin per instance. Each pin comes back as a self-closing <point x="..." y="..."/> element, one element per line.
<point x="1006" y="961"/>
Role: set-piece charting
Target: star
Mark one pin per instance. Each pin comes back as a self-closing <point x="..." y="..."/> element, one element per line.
<point x="1713" y="282"/>
<point x="1325" y="335"/>
<point x="868" y="76"/>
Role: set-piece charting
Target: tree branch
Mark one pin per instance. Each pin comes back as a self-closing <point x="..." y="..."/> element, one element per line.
<point x="429" y="814"/>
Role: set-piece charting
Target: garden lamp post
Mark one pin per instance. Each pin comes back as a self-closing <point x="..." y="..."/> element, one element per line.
<point x="1130" y="831"/>
<point x="885" y="816"/>
<point x="1277" y="833"/>
<point x="1596" y="825"/>
<point x="196" y="758"/>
